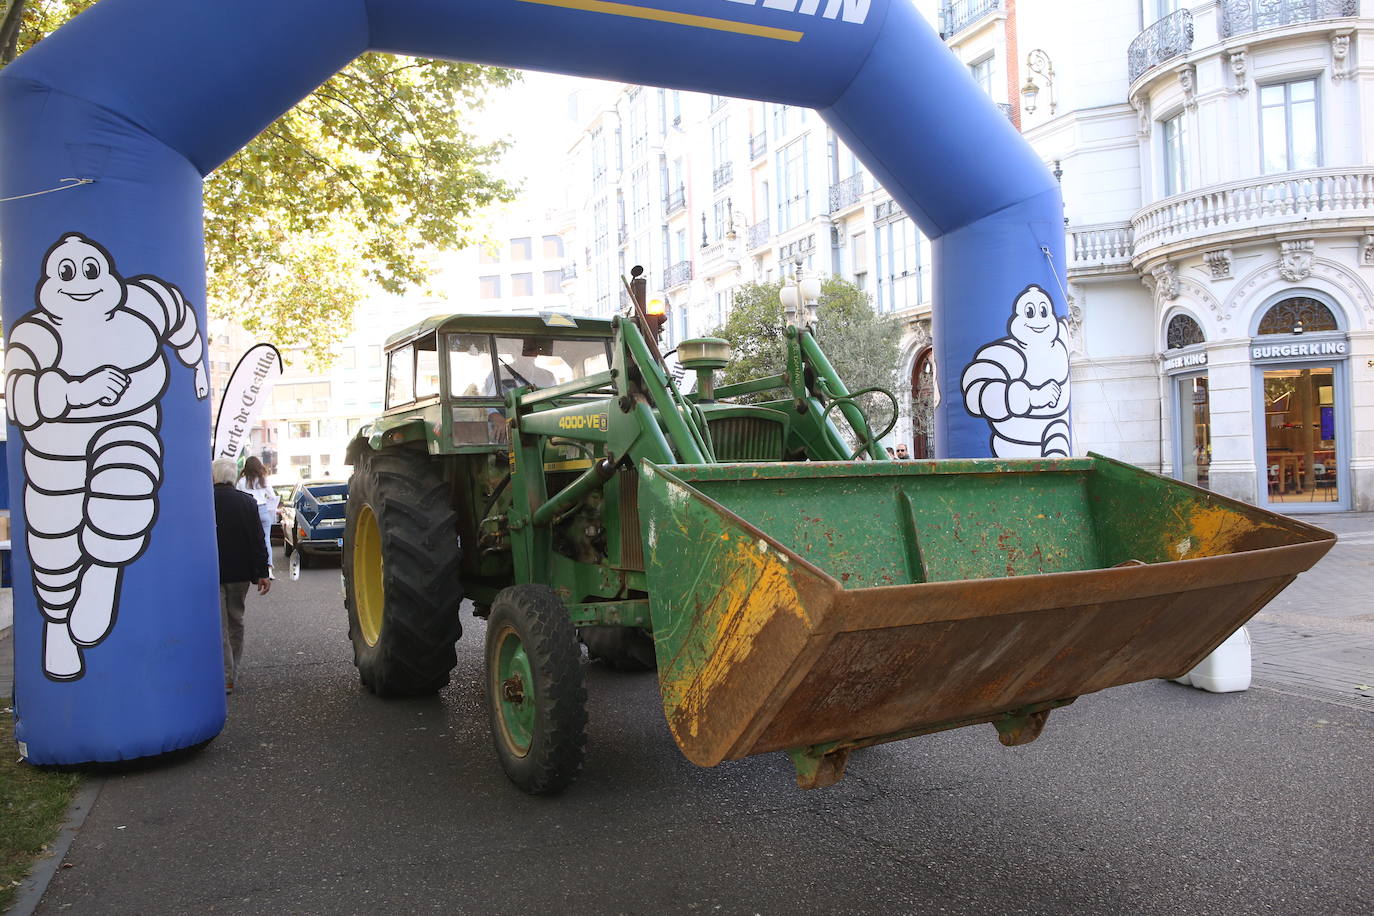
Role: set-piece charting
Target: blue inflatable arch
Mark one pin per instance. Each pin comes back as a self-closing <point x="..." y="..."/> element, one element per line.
<point x="117" y="635"/>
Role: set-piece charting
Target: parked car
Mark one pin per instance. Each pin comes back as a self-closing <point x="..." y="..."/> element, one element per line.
<point x="312" y="519"/>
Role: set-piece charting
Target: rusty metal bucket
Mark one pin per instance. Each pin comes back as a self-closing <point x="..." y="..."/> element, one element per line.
<point x="817" y="607"/>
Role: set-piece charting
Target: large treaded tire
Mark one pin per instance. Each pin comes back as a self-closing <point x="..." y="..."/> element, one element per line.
<point x="409" y="651"/>
<point x="536" y="695"/>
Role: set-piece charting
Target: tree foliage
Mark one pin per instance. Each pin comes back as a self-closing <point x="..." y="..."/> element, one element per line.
<point x="862" y="345"/>
<point x="349" y="189"/>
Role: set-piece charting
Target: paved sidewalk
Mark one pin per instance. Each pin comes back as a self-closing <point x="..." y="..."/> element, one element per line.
<point x="1316" y="639"/>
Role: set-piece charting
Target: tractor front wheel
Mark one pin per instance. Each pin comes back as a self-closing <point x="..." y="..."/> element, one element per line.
<point x="400" y="572"/>
<point x="536" y="698"/>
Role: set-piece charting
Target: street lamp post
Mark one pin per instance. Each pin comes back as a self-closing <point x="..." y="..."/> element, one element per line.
<point x="800" y="296"/>
<point x="1038" y="62"/>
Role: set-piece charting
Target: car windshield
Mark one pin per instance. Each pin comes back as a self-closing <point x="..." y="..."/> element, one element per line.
<point x="325" y="494"/>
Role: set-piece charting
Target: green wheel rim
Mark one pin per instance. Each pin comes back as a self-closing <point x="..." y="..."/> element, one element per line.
<point x="514" y="691"/>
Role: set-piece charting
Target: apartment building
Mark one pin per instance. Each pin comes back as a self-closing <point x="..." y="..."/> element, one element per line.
<point x="1218" y="205"/>
<point x="1218" y="200"/>
<point x="707" y="193"/>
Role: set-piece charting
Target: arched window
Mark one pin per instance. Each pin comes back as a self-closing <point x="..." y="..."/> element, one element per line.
<point x="1297" y="315"/>
<point x="1183" y="332"/>
<point x="923" y="405"/>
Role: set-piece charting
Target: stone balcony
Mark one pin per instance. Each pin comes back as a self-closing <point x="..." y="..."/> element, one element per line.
<point x="957" y="15"/>
<point x="1308" y="201"/>
<point x="1241" y="17"/>
<point x="1162" y="41"/>
<point x="1105" y="248"/>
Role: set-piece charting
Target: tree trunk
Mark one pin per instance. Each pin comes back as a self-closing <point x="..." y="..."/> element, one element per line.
<point x="9" y="30"/>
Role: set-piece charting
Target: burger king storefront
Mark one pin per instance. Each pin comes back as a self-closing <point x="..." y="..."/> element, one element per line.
<point x="1299" y="363"/>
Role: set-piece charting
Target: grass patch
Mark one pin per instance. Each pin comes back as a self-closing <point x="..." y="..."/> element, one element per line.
<point x="33" y="804"/>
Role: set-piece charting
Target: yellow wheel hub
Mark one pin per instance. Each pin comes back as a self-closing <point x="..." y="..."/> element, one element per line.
<point x="369" y="597"/>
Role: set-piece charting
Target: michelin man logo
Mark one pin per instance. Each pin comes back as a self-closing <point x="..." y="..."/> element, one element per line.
<point x="85" y="375"/>
<point x="1020" y="384"/>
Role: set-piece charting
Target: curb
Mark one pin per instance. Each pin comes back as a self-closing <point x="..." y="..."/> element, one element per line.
<point x="33" y="887"/>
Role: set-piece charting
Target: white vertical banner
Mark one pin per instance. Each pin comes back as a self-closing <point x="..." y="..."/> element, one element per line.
<point x="248" y="389"/>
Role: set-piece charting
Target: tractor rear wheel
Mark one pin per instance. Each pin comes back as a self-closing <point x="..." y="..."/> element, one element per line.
<point x="400" y="572"/>
<point x="536" y="698"/>
<point x="620" y="648"/>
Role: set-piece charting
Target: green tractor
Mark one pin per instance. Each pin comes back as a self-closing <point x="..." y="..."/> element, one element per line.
<point x="794" y="590"/>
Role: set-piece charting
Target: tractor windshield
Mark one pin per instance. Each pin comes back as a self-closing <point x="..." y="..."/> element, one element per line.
<point x="520" y="362"/>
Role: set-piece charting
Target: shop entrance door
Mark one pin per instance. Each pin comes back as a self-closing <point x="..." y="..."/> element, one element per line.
<point x="1302" y="448"/>
<point x="1194" y="412"/>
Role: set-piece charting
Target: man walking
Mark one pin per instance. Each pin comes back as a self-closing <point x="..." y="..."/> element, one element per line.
<point x="243" y="559"/>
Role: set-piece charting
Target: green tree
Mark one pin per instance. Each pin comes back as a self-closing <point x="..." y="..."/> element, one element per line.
<point x="348" y="190"/>
<point x="862" y="345"/>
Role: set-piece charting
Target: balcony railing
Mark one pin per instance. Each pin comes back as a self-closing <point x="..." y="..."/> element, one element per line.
<point x="1109" y="245"/>
<point x="721" y="176"/>
<point x="847" y="192"/>
<point x="798" y="249"/>
<point x="1295" y="197"/>
<point x="758" y="235"/>
<point x="570" y="272"/>
<point x="675" y="201"/>
<point x="1166" y="39"/>
<point x="623" y="235"/>
<point x="1240" y="17"/>
<point x="1006" y="109"/>
<point x="957" y="15"/>
<point x="679" y="274"/>
<point x="758" y="145"/>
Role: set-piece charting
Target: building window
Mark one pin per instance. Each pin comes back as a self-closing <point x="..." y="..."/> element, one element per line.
<point x="858" y="255"/>
<point x="1194" y="430"/>
<point x="553" y="281"/>
<point x="486" y="255"/>
<point x="521" y="249"/>
<point x="639" y="198"/>
<point x="1183" y="332"/>
<point x="553" y="246"/>
<point x="720" y="215"/>
<point x="1297" y="315"/>
<point x="982" y="73"/>
<point x="598" y="142"/>
<point x="792" y="185"/>
<point x="522" y="284"/>
<point x="489" y="287"/>
<point x="298" y="429"/>
<point x="1288" y="126"/>
<point x="1175" y="139"/>
<point x="780" y="119"/>
<point x="720" y="143"/>
<point x="898" y="247"/>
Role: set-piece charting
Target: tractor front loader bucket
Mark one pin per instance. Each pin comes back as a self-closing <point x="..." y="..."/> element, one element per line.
<point x="816" y="607"/>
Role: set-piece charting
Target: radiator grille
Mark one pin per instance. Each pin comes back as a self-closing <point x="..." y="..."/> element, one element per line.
<point x="747" y="439"/>
<point x="631" y="547"/>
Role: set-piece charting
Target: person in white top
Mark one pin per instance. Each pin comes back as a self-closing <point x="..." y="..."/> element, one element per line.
<point x="253" y="481"/>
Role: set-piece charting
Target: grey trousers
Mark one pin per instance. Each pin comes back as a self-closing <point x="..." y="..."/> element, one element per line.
<point x="231" y="595"/>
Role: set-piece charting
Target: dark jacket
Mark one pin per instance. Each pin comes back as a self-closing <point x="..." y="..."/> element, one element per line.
<point x="242" y="547"/>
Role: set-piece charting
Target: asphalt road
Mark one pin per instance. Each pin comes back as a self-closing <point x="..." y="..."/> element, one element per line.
<point x="319" y="798"/>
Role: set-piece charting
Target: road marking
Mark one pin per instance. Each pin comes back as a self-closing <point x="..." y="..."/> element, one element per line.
<point x="700" y="22"/>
